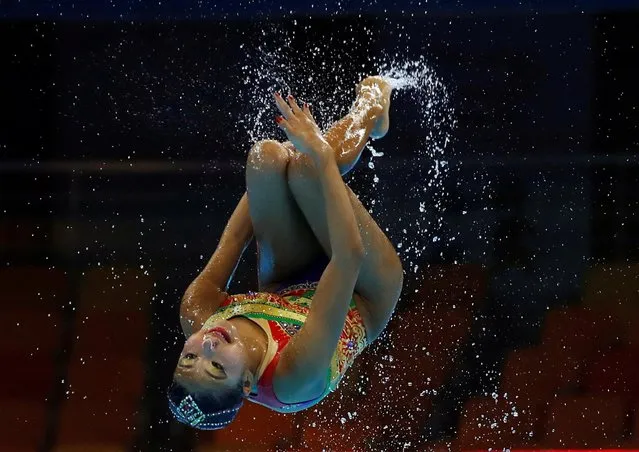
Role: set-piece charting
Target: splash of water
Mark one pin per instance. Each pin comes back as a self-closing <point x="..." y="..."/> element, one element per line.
<point x="419" y="88"/>
<point x="423" y="168"/>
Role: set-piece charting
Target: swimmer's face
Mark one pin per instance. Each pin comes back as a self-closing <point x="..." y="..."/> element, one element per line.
<point x="212" y="358"/>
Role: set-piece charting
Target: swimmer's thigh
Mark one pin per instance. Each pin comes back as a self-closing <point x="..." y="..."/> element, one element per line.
<point x="285" y="242"/>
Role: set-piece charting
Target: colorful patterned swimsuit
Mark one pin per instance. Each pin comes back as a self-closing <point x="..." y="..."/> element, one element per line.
<point x="281" y="315"/>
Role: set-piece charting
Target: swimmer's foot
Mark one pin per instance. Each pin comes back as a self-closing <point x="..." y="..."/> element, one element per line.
<point x="377" y="89"/>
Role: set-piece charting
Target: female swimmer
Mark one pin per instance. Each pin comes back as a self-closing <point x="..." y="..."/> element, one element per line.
<point x="329" y="278"/>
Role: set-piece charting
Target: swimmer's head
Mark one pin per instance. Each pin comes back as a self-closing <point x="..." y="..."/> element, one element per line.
<point x="211" y="378"/>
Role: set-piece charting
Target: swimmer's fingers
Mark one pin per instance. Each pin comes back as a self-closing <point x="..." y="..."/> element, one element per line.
<point x="307" y="112"/>
<point x="296" y="109"/>
<point x="300" y="112"/>
<point x="283" y="106"/>
<point x="284" y="125"/>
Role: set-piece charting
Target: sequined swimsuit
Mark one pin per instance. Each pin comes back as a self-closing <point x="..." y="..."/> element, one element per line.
<point x="281" y="315"/>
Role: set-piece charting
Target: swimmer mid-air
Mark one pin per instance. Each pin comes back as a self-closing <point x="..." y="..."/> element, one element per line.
<point x="329" y="278"/>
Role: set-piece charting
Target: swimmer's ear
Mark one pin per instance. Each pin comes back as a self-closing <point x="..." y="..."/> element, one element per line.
<point x="247" y="387"/>
<point x="248" y="383"/>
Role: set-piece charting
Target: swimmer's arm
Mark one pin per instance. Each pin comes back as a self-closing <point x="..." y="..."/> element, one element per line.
<point x="208" y="290"/>
<point x="237" y="235"/>
<point x="307" y="357"/>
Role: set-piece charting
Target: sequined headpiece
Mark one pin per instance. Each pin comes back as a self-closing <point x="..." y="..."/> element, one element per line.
<point x="188" y="412"/>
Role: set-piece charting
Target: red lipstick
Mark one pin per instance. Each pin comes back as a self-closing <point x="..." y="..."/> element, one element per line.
<point x="220" y="332"/>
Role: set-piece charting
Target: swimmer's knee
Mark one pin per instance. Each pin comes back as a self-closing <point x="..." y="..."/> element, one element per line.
<point x="268" y="154"/>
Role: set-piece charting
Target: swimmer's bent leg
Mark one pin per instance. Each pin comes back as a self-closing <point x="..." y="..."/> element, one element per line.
<point x="348" y="135"/>
<point x="285" y="243"/>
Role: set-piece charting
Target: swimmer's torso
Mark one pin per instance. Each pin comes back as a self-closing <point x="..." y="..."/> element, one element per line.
<point x="281" y="315"/>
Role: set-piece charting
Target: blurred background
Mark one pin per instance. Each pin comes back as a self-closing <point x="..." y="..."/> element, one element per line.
<point x="124" y="133"/>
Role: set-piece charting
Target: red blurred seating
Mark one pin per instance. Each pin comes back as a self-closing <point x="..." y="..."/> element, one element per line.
<point x="108" y="379"/>
<point x="29" y="347"/>
<point x="255" y="428"/>
<point x="401" y="423"/>
<point x="571" y="336"/>
<point x="106" y="421"/>
<point x="23" y="424"/>
<point x="615" y="372"/>
<point x="529" y="378"/>
<point x="615" y="284"/>
<point x="421" y="343"/>
<point x="91" y="447"/>
<point x="613" y="289"/>
<point x="578" y="332"/>
<point x="111" y="330"/>
<point x="496" y="423"/>
<point x="418" y="350"/>
<point x="34" y="286"/>
<point x="115" y="332"/>
<point x="585" y="421"/>
<point x="632" y="442"/>
<point x="113" y="313"/>
<point x="32" y="326"/>
<point x="31" y="377"/>
<point x="634" y="435"/>
<point x="391" y="408"/>
<point x="115" y="383"/>
<point x="439" y="446"/>
<point x="631" y="336"/>
<point x="337" y="425"/>
<point x="30" y="316"/>
<point x="451" y="285"/>
<point x="103" y="401"/>
<point x="33" y="330"/>
<point x="424" y="318"/>
<point x="23" y="235"/>
<point x="115" y="289"/>
<point x="107" y="364"/>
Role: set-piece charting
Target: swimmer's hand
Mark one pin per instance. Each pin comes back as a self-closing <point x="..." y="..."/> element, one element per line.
<point x="301" y="129"/>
